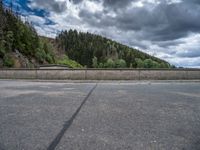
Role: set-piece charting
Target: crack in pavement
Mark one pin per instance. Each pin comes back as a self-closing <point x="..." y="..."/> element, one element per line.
<point x="68" y="123"/>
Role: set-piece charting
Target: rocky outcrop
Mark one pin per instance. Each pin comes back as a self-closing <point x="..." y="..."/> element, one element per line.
<point x="21" y="61"/>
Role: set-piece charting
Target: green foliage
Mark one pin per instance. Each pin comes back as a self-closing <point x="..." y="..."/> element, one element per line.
<point x="101" y="65"/>
<point x="16" y="35"/>
<point x="9" y="40"/>
<point x="148" y="63"/>
<point x="68" y="62"/>
<point x="163" y="65"/>
<point x="155" y="64"/>
<point x="8" y="61"/>
<point x="109" y="64"/>
<point x="120" y="63"/>
<point x="40" y="55"/>
<point x="49" y="59"/>
<point x="2" y="49"/>
<point x="94" y="62"/>
<point x="139" y="62"/>
<point x="83" y="47"/>
<point x="44" y="52"/>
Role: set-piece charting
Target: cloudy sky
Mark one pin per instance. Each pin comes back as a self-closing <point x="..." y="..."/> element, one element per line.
<point x="168" y="29"/>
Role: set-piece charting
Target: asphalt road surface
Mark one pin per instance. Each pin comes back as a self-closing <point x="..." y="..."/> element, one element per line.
<point x="103" y="116"/>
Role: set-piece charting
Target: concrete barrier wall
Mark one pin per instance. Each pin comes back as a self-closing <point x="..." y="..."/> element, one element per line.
<point x="101" y="74"/>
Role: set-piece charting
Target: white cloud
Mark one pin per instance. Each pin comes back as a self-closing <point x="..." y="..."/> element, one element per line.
<point x="92" y="6"/>
<point x="36" y="19"/>
<point x="181" y="51"/>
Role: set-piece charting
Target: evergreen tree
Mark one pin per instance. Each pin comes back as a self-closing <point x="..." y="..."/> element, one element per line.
<point x="16" y="35"/>
<point x="83" y="47"/>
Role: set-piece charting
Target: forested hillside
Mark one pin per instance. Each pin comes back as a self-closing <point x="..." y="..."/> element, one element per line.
<point x="18" y="39"/>
<point x="96" y="51"/>
<point x="20" y="45"/>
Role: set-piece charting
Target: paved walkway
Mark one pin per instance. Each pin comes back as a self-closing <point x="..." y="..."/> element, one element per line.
<point x="103" y="116"/>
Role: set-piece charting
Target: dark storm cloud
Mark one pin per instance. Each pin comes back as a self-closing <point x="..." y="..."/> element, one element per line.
<point x="167" y="44"/>
<point x="76" y="1"/>
<point x="51" y="5"/>
<point x="116" y="4"/>
<point x="97" y="19"/>
<point x="163" y="22"/>
<point x="192" y="1"/>
<point x="111" y="4"/>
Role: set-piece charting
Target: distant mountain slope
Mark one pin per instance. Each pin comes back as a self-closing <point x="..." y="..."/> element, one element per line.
<point x="96" y="51"/>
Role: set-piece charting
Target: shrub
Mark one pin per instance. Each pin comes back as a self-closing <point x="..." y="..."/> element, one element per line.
<point x="40" y="55"/>
<point x="120" y="63"/>
<point x="94" y="62"/>
<point x="68" y="62"/>
<point x="49" y="59"/>
<point x="148" y="63"/>
<point x="110" y="63"/>
<point x="101" y="65"/>
<point x="8" y="61"/>
<point x="139" y="62"/>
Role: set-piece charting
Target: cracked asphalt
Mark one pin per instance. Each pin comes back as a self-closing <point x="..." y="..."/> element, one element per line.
<point x="145" y="115"/>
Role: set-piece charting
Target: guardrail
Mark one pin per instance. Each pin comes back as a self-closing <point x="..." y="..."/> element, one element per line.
<point x="101" y="74"/>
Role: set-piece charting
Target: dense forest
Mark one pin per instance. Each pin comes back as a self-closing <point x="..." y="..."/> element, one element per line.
<point x="19" y="37"/>
<point x="21" y="46"/>
<point x="94" y="51"/>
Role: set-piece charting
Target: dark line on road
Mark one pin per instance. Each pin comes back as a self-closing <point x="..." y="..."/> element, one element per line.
<point x="68" y="123"/>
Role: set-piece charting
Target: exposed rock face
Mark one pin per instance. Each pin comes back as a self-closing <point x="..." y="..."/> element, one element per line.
<point x="21" y="61"/>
